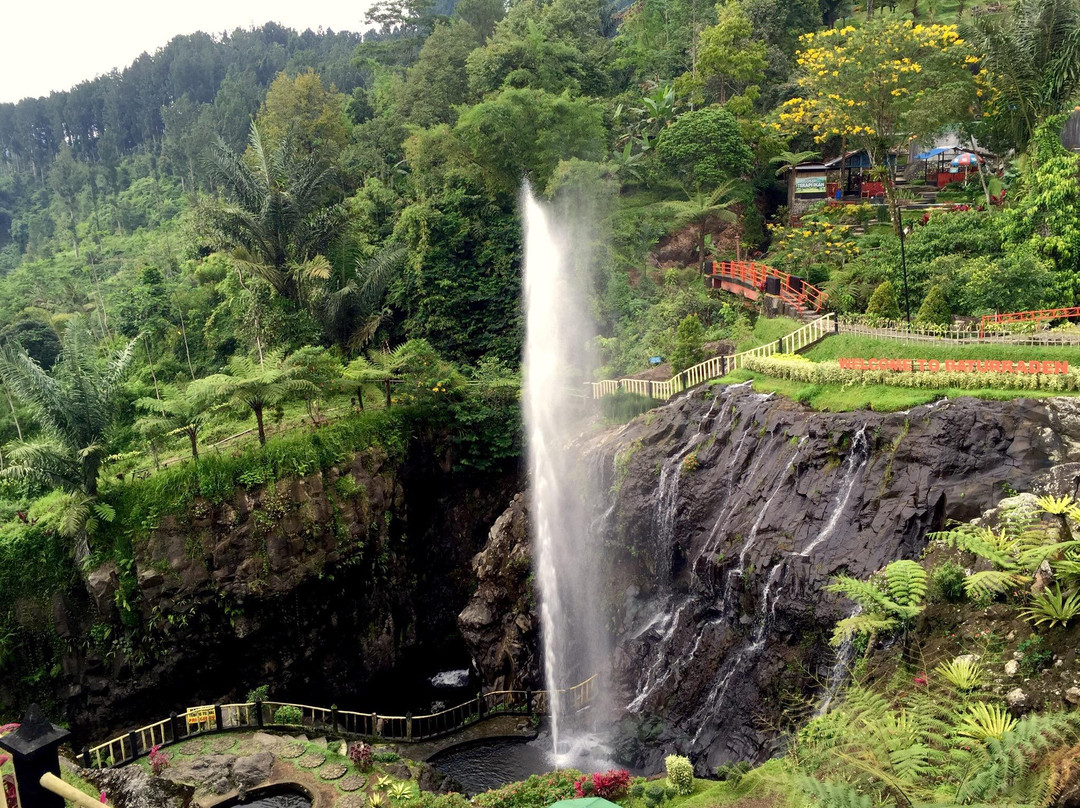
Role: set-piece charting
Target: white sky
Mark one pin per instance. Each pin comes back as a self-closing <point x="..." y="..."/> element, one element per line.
<point x="50" y="45"/>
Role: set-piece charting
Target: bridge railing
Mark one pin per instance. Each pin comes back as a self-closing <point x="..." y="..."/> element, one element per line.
<point x="753" y="276"/>
<point x="208" y="719"/>
<point x="719" y="366"/>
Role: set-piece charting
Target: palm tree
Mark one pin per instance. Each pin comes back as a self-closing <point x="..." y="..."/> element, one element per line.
<point x="273" y="219"/>
<point x="352" y="314"/>
<point x="1033" y="57"/>
<point x="175" y="413"/>
<point x="702" y="207"/>
<point x="75" y="403"/>
<point x="786" y="162"/>
<point x="254" y="386"/>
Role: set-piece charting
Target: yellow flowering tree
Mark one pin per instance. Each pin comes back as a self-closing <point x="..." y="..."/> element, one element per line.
<point x="881" y="86"/>
<point x="803" y="249"/>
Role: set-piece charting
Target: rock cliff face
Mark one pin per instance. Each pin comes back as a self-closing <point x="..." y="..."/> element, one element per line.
<point x="326" y="587"/>
<point x="729" y="510"/>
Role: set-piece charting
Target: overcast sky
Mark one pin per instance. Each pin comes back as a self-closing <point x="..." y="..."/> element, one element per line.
<point x="47" y="46"/>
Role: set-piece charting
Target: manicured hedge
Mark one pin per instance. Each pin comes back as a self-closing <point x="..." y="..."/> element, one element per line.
<point x="799" y="369"/>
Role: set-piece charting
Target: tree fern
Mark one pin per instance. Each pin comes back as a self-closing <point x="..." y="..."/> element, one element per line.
<point x="906" y="582"/>
<point x="836" y="795"/>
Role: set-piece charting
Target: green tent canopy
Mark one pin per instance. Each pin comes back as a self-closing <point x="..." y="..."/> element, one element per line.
<point x="585" y="802"/>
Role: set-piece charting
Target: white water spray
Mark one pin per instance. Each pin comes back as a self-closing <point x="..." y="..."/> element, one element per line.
<point x="575" y="643"/>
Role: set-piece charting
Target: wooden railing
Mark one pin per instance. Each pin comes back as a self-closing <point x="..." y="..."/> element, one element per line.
<point x="954" y="336"/>
<point x="206" y="719"/>
<point x="718" y="366"/>
<point x="752" y="280"/>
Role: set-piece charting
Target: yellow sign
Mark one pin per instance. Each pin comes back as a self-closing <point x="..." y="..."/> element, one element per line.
<point x="200" y="715"/>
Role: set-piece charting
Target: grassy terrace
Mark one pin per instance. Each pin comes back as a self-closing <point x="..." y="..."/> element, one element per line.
<point x="884" y="398"/>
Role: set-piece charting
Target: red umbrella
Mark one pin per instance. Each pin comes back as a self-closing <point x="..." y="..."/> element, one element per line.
<point x="967" y="159"/>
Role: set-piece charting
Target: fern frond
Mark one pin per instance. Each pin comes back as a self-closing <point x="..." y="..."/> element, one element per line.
<point x="863" y="623"/>
<point x="835" y="795"/>
<point x="988" y="583"/>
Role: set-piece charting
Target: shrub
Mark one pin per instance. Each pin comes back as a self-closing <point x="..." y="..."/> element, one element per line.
<point x="963" y="673"/>
<point x="883" y="302"/>
<point x="655" y="795"/>
<point x="538" y="791"/>
<point x="288" y="714"/>
<point x="1052" y="607"/>
<point x="611" y="785"/>
<point x="934" y="308"/>
<point x="1034" y="655"/>
<point x="680" y="773"/>
<point x="260" y="693"/>
<point x="947" y="582"/>
<point x="426" y="799"/>
<point x="984" y="721"/>
<point x="361" y="754"/>
<point x="386" y="757"/>
<point x="159" y="761"/>
<point x="732" y="772"/>
<point x="689" y="338"/>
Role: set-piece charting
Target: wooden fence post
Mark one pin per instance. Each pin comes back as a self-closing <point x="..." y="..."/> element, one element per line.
<point x="218" y="726"/>
<point x="408" y="726"/>
<point x="174" y="723"/>
<point x="334" y="716"/>
<point x="258" y="712"/>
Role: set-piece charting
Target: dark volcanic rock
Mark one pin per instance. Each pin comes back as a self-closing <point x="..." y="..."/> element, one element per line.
<point x="730" y="509"/>
<point x="498" y="624"/>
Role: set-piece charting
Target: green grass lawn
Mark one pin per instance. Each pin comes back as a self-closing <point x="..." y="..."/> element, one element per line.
<point x="768" y="330"/>
<point x="844" y="345"/>
<point x="876" y="397"/>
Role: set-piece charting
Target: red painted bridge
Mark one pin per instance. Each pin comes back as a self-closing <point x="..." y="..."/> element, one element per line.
<point x="751" y="280"/>
<point x="1028" y="316"/>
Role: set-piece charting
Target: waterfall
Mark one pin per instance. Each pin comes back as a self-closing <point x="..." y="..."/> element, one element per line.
<point x="856" y="459"/>
<point x="566" y="557"/>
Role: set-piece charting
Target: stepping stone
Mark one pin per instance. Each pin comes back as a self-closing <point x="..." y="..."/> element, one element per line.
<point x="190" y="748"/>
<point x="223" y="743"/>
<point x="354" y="782"/>
<point x="312" y="760"/>
<point x="292" y="750"/>
<point x="352" y="801"/>
<point x="333" y="771"/>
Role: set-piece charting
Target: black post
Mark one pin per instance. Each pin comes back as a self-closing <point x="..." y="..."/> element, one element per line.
<point x="33" y="747"/>
<point x="85" y="757"/>
<point x="174" y="722"/>
<point x="528" y="702"/>
<point x="258" y="712"/>
<point x="480" y="703"/>
<point x="723" y="366"/>
<point x="334" y="716"/>
<point x="903" y="267"/>
<point x="133" y="740"/>
<point x="408" y="726"/>
<point x="218" y="726"/>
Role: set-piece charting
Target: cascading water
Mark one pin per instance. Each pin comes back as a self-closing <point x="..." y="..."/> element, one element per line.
<point x="575" y="641"/>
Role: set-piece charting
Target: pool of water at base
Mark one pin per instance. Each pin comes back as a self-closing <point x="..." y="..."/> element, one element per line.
<point x="280" y="801"/>
<point x="494" y="763"/>
<point x="491" y="764"/>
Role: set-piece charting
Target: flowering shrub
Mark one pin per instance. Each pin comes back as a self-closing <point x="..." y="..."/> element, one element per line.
<point x="539" y="791"/>
<point x="361" y="755"/>
<point x="611" y="785"/>
<point x="680" y="773"/>
<point x="797" y="249"/>
<point x="10" y="797"/>
<point x="832" y="373"/>
<point x="159" y="761"/>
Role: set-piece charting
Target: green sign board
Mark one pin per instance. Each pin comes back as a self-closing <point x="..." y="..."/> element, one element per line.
<point x="810" y="185"/>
